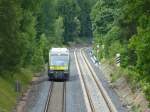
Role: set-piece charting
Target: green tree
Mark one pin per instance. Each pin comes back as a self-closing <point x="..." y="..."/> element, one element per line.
<point x="103" y="17"/>
<point x="84" y="17"/>
<point x="46" y="18"/>
<point x="59" y="30"/>
<point x="11" y="49"/>
<point x="40" y="55"/>
<point x="69" y="10"/>
<point x="123" y="26"/>
<point x="28" y="34"/>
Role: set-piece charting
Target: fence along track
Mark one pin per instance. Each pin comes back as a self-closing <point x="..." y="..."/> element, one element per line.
<point x="56" y="101"/>
<point x="107" y="99"/>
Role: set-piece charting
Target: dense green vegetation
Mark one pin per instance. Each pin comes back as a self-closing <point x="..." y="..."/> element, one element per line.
<point x="8" y="95"/>
<point x="123" y="26"/>
<point x="28" y="29"/>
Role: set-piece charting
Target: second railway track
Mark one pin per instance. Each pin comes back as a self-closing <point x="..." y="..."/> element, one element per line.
<point x="96" y="96"/>
<point x="56" y="101"/>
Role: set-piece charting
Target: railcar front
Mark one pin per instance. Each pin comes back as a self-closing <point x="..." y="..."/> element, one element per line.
<point x="59" y="66"/>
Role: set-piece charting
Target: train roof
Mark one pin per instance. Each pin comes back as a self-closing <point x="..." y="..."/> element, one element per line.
<point x="59" y="51"/>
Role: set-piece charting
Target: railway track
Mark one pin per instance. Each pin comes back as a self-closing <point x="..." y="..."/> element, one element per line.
<point x="56" y="101"/>
<point x="96" y="98"/>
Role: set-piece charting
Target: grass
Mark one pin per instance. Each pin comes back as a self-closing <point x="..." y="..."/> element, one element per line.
<point x="8" y="95"/>
<point x="133" y="78"/>
<point x="136" y="109"/>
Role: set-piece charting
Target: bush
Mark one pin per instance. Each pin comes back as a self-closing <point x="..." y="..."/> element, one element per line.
<point x="116" y="75"/>
<point x="115" y="48"/>
<point x="146" y="88"/>
<point x="133" y="77"/>
<point x="7" y="85"/>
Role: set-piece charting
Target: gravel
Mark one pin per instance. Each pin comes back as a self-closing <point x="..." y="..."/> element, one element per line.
<point x="38" y="95"/>
<point x="112" y="94"/>
<point x="97" y="99"/>
<point x="74" y="95"/>
<point x="57" y="97"/>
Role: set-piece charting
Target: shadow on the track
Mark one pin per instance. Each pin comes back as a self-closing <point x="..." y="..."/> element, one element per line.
<point x="43" y="79"/>
<point x="57" y="80"/>
<point x="40" y="80"/>
<point x="73" y="78"/>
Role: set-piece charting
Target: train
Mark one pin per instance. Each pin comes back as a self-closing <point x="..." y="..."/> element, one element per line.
<point x="59" y="64"/>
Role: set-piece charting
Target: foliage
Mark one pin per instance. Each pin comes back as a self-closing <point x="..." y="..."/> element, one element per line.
<point x="29" y="28"/>
<point x="7" y="86"/>
<point x="46" y="19"/>
<point x="69" y="10"/>
<point x="59" y="30"/>
<point x="26" y="23"/>
<point x="10" y="41"/>
<point x="122" y="26"/>
<point x="84" y="17"/>
<point x="140" y="42"/>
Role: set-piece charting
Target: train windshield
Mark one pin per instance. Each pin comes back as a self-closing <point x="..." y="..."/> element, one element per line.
<point x="57" y="60"/>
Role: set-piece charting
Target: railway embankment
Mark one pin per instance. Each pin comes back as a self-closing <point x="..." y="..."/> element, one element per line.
<point x="11" y="88"/>
<point x="32" y="92"/>
<point x="131" y="97"/>
<point x="15" y="88"/>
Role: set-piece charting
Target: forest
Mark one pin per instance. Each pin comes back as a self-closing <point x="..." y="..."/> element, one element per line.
<point x="29" y="28"/>
<point x="123" y="26"/>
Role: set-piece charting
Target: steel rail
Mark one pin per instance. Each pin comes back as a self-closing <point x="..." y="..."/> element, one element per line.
<point x="85" y="85"/>
<point x="49" y="97"/>
<point x="105" y="95"/>
<point x="46" y="109"/>
<point x="64" y="98"/>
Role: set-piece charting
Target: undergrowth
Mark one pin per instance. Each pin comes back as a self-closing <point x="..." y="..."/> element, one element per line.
<point x="8" y="94"/>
